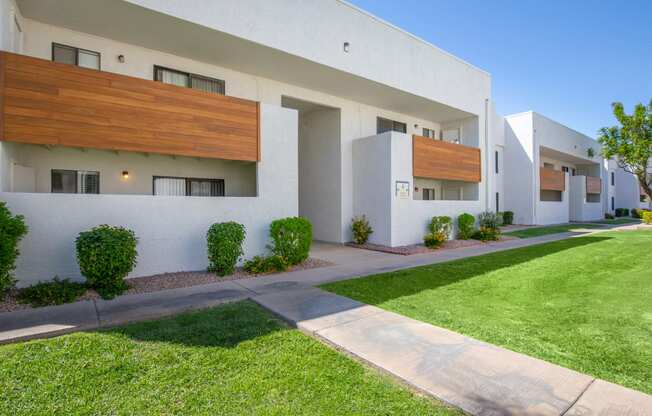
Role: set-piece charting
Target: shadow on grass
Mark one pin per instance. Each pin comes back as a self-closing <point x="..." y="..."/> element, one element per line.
<point x="380" y="288"/>
<point x="225" y="326"/>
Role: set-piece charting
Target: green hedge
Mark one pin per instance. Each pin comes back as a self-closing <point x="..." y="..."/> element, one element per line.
<point x="12" y="230"/>
<point x="647" y="217"/>
<point x="56" y="292"/>
<point x="508" y="217"/>
<point x="291" y="239"/>
<point x="224" y="241"/>
<point x="106" y="254"/>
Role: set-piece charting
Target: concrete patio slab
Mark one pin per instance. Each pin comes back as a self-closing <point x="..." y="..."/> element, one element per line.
<point x="608" y="399"/>
<point x="167" y="302"/>
<point x="477" y="377"/>
<point x="47" y="321"/>
<point x="311" y="310"/>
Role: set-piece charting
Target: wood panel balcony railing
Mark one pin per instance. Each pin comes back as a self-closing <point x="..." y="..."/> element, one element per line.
<point x="552" y="180"/>
<point x="593" y="185"/>
<point x="49" y="103"/>
<point x="436" y="159"/>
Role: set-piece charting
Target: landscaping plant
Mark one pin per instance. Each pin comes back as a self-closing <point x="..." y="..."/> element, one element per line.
<point x="508" y="217"/>
<point x="106" y="254"/>
<point x="262" y="264"/>
<point x="361" y="229"/>
<point x="224" y="242"/>
<point x="647" y="217"/>
<point x="465" y="226"/>
<point x="12" y="230"/>
<point x="489" y="227"/>
<point x="55" y="292"/>
<point x="439" y="230"/>
<point x="291" y="239"/>
<point x="608" y="216"/>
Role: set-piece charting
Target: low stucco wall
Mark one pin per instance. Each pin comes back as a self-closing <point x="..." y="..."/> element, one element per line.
<point x="171" y="230"/>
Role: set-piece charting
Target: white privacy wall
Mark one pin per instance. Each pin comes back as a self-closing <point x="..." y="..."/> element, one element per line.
<point x="171" y="230"/>
<point x="519" y="172"/>
<point x="580" y="209"/>
<point x="379" y="162"/>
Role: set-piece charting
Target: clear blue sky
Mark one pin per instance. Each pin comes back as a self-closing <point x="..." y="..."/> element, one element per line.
<point x="568" y="60"/>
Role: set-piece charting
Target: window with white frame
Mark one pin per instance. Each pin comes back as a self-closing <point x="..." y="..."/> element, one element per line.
<point x="75" y="56"/>
<point x="66" y="181"/>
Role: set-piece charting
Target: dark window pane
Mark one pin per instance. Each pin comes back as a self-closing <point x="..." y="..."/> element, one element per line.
<point x="207" y="84"/>
<point x="64" y="54"/>
<point x="383" y="125"/>
<point x="89" y="182"/>
<point x="400" y="127"/>
<point x="64" y="181"/>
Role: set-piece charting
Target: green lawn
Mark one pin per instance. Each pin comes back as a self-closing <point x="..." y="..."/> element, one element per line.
<point x="583" y="303"/>
<point x="551" y="229"/>
<point x="618" y="221"/>
<point x="231" y="360"/>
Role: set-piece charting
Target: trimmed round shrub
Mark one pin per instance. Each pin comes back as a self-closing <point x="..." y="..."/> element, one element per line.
<point x="508" y="218"/>
<point x="465" y="226"/>
<point x="443" y="224"/>
<point x="224" y="242"/>
<point x="106" y="254"/>
<point x="12" y="230"/>
<point x="291" y="239"/>
<point x="361" y="229"/>
<point x="647" y="217"/>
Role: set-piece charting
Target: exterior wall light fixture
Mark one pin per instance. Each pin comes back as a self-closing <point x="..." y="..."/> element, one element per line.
<point x="121" y="59"/>
<point x="347" y="47"/>
<point x="125" y="174"/>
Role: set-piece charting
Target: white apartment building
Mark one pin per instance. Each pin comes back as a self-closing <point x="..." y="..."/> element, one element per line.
<point x="166" y="118"/>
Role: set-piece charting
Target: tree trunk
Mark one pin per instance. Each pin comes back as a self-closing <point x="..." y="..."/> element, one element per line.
<point x="642" y="181"/>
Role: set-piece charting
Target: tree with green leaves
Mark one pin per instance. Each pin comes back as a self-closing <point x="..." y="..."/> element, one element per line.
<point x="630" y="144"/>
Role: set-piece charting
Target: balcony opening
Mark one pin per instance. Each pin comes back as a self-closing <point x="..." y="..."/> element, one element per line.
<point x="547" y="195"/>
<point x="592" y="198"/>
<point x="60" y="169"/>
<point x="443" y="190"/>
<point x="319" y="167"/>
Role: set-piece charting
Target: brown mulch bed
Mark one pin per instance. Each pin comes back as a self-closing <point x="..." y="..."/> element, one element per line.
<point x="421" y="249"/>
<point x="155" y="283"/>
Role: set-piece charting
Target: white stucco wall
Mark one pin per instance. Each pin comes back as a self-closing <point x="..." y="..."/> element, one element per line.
<point x="356" y="119"/>
<point x="171" y="230"/>
<point x="239" y="177"/>
<point x="380" y="162"/>
<point x="519" y="174"/>
<point x="10" y="38"/>
<point x="580" y="208"/>
<point x="319" y="172"/>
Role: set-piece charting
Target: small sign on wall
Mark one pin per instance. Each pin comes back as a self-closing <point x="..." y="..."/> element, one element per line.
<point x="403" y="189"/>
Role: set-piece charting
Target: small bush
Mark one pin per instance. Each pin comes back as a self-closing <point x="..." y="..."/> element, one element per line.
<point x="622" y="212"/>
<point x="490" y="220"/>
<point x="361" y="229"/>
<point x="442" y="224"/>
<point x="106" y="255"/>
<point x="508" y="217"/>
<point x="262" y="265"/>
<point x="435" y="240"/>
<point x="647" y="217"/>
<point x="487" y="234"/>
<point x="224" y="242"/>
<point x="465" y="226"/>
<point x="56" y="292"/>
<point x="12" y="230"/>
<point x="291" y="239"/>
<point x="636" y="213"/>
<point x="608" y="216"/>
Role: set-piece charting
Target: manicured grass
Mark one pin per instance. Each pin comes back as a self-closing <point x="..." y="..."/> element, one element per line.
<point x="618" y="221"/>
<point x="552" y="229"/>
<point x="231" y="360"/>
<point x="583" y="303"/>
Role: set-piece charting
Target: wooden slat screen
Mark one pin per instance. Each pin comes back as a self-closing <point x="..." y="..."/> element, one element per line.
<point x="552" y="180"/>
<point x="44" y="102"/>
<point x="593" y="185"/>
<point x="436" y="159"/>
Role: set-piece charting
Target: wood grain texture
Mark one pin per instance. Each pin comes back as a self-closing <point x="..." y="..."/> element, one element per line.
<point x="593" y="185"/>
<point x="436" y="159"/>
<point x="44" y="102"/>
<point x="552" y="180"/>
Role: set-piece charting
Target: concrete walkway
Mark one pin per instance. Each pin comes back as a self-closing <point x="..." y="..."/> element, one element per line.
<point x="480" y="378"/>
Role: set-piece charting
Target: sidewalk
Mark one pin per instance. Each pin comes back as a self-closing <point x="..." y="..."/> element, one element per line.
<point x="480" y="378"/>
